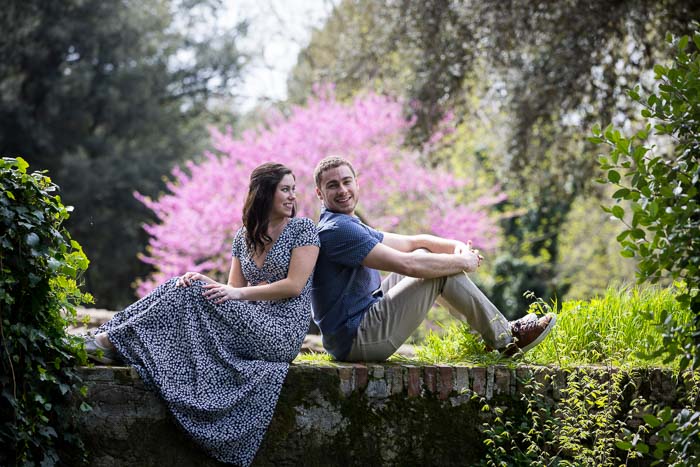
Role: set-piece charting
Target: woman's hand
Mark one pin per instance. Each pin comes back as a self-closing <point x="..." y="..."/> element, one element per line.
<point x="220" y="293"/>
<point x="187" y="278"/>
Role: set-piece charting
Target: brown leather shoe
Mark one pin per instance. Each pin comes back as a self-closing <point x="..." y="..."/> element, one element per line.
<point x="527" y="333"/>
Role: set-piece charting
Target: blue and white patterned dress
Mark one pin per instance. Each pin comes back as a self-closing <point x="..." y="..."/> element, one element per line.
<point x="220" y="368"/>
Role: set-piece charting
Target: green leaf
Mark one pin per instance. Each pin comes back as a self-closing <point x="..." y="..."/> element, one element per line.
<point x="683" y="43"/>
<point x="613" y="176"/>
<point x="22" y="165"/>
<point x="621" y="193"/>
<point x="627" y="253"/>
<point x="637" y="233"/>
<point x="32" y="239"/>
<point x="651" y="420"/>
<point x="618" y="212"/>
<point x="653" y="210"/>
<point x="624" y="445"/>
<point x="622" y="235"/>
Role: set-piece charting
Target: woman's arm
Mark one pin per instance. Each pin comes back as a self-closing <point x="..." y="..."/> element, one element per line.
<point x="235" y="275"/>
<point x="300" y="268"/>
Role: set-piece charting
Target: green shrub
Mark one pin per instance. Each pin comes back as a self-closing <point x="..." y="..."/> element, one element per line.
<point x="663" y="230"/>
<point x="39" y="265"/>
<point x="661" y="189"/>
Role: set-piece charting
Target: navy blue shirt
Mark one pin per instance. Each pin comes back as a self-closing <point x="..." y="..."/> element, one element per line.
<point x="342" y="287"/>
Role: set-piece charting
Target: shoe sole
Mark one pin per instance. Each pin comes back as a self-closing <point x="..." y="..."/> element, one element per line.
<point x="544" y="333"/>
<point x="103" y="360"/>
<point x="92" y="352"/>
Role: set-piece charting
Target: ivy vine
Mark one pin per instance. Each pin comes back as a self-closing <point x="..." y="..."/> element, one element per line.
<point x="40" y="266"/>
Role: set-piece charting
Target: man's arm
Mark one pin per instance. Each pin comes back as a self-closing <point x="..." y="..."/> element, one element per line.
<point x="419" y="263"/>
<point x="409" y="243"/>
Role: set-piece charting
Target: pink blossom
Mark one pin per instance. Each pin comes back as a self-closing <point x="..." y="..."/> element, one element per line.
<point x="201" y="212"/>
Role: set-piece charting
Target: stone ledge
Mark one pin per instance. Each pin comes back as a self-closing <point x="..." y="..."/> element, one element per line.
<point x="340" y="414"/>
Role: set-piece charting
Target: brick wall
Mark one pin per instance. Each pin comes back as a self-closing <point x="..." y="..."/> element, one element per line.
<point x="341" y="414"/>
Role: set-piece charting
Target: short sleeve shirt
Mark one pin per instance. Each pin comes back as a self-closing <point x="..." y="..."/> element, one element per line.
<point x="342" y="289"/>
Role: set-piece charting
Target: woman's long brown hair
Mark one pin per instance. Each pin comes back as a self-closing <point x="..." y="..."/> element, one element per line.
<point x="256" y="210"/>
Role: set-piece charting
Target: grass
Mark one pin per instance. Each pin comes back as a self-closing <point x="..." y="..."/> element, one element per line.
<point x="616" y="329"/>
<point x="312" y="358"/>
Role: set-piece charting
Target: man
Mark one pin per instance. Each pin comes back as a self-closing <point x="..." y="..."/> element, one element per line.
<point x="363" y="318"/>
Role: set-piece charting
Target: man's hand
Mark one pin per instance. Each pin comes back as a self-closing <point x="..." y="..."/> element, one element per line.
<point x="473" y="257"/>
<point x="461" y="248"/>
<point x="220" y="293"/>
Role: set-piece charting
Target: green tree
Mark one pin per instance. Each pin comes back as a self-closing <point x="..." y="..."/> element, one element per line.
<point x="108" y="96"/>
<point x="551" y="68"/>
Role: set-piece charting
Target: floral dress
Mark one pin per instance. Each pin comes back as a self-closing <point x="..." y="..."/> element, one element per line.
<point x="220" y="368"/>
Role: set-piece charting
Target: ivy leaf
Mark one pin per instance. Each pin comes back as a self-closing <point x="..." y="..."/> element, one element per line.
<point x="32" y="239"/>
<point x="22" y="165"/>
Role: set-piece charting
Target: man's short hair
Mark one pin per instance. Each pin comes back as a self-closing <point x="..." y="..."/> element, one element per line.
<point x="330" y="162"/>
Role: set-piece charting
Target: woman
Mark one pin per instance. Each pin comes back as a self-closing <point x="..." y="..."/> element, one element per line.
<point x="218" y="353"/>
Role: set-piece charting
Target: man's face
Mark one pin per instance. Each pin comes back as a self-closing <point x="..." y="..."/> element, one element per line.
<point x="338" y="190"/>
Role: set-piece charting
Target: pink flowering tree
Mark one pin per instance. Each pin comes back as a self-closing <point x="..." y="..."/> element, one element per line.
<point x="202" y="211"/>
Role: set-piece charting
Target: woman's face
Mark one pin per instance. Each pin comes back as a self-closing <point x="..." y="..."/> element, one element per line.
<point x="284" y="198"/>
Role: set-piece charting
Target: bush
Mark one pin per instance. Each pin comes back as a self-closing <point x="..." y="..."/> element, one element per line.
<point x="664" y="228"/>
<point x="662" y="189"/>
<point x="40" y="265"/>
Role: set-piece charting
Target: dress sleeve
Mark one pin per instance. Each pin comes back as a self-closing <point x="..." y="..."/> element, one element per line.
<point x="238" y="243"/>
<point x="305" y="233"/>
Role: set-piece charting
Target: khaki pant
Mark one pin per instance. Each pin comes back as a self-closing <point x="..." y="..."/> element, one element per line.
<point x="406" y="301"/>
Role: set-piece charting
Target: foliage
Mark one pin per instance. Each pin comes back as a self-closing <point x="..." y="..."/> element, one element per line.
<point x="397" y="190"/>
<point x="662" y="193"/>
<point x="613" y="329"/>
<point x="676" y="431"/>
<point x="662" y="189"/>
<point x="40" y="267"/>
<point x="538" y="70"/>
<point x="108" y="96"/>
<point x="583" y="429"/>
